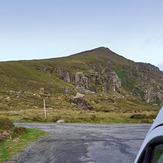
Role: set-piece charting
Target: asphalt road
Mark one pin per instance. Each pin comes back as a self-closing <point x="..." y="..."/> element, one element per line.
<point x="84" y="143"/>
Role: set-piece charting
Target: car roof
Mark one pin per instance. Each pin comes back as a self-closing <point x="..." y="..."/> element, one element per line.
<point x="158" y="121"/>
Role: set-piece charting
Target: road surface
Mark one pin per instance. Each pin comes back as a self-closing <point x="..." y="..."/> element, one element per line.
<point x="84" y="143"/>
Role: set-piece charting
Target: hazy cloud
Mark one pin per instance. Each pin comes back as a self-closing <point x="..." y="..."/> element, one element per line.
<point x="155" y="41"/>
<point x="160" y="65"/>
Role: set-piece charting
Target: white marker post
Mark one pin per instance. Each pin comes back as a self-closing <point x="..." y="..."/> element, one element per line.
<point x="44" y="95"/>
<point x="44" y="102"/>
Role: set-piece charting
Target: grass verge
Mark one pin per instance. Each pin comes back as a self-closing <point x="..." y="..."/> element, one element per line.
<point x="10" y="147"/>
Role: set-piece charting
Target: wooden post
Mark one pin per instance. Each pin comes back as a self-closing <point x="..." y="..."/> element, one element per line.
<point x="44" y="95"/>
<point x="44" y="107"/>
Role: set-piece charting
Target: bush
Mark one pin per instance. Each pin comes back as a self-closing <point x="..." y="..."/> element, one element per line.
<point x="6" y="124"/>
<point x="38" y="119"/>
<point x="143" y="117"/>
<point x="138" y="116"/>
<point x="56" y="118"/>
<point x="18" y="131"/>
<point x="8" y="130"/>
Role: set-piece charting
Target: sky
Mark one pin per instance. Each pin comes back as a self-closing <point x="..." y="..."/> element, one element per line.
<point x="38" y="29"/>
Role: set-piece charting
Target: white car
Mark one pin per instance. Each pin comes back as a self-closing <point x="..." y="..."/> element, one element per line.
<point x="151" y="150"/>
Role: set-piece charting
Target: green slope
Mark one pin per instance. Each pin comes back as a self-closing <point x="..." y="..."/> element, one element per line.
<point x="119" y="85"/>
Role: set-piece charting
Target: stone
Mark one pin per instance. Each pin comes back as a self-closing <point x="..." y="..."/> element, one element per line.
<point x="16" y="140"/>
<point x="7" y="98"/>
<point x="79" y="95"/>
<point x="61" y="121"/>
<point x="5" y="134"/>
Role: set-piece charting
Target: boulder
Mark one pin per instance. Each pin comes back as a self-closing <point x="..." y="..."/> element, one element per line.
<point x="79" y="102"/>
<point x="61" y="121"/>
<point x="78" y="95"/>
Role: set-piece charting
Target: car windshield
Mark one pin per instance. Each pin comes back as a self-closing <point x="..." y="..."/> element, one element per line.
<point x="158" y="154"/>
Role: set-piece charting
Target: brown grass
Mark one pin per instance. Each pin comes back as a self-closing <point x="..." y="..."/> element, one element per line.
<point x="81" y="116"/>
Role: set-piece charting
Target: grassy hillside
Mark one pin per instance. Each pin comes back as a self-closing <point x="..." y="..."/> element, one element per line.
<point x="115" y="89"/>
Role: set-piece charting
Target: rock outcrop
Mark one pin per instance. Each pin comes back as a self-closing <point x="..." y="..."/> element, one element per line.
<point x="96" y="81"/>
<point x="94" y="73"/>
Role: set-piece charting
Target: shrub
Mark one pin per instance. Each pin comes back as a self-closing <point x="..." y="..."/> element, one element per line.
<point x="1" y="137"/>
<point x="143" y="117"/>
<point x="37" y="119"/>
<point x="18" y="131"/>
<point x="6" y="124"/>
<point x="138" y="116"/>
<point x="8" y="130"/>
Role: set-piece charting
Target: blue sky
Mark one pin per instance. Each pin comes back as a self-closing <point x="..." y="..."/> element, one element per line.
<point x="36" y="29"/>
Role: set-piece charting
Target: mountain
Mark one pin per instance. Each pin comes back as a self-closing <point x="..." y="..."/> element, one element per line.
<point x="98" y="80"/>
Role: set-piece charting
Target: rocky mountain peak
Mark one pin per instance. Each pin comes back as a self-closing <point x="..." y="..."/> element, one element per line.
<point x="98" y="73"/>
